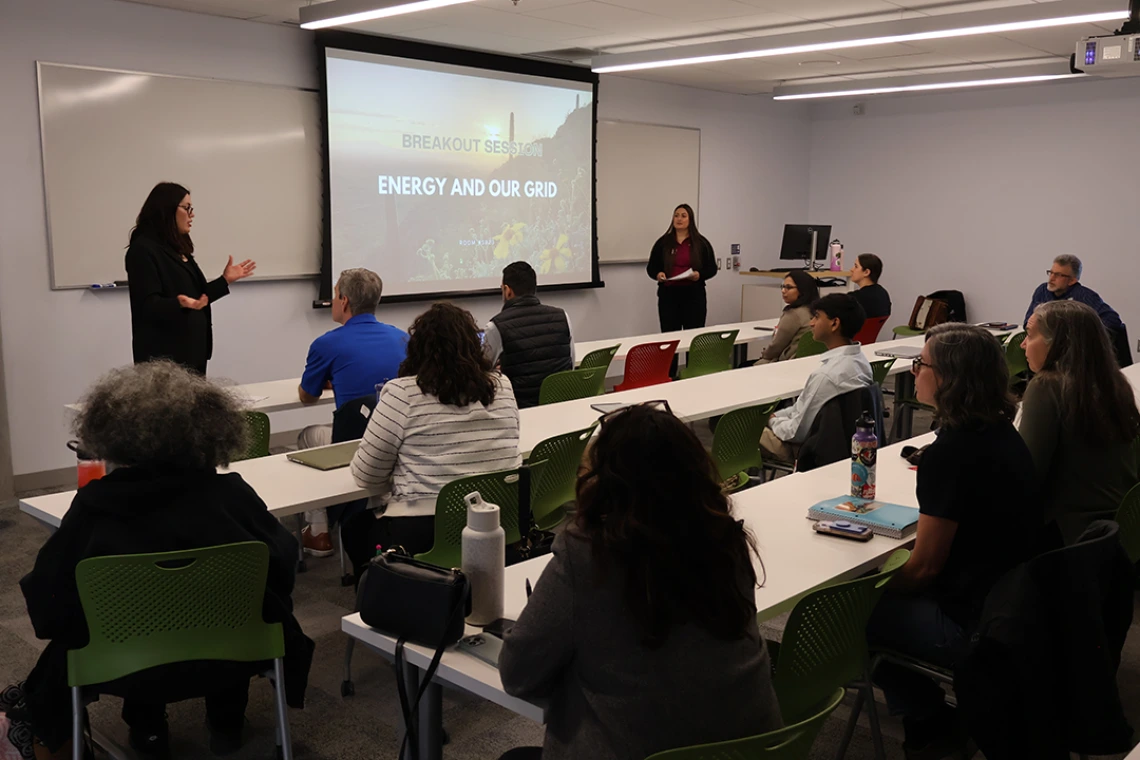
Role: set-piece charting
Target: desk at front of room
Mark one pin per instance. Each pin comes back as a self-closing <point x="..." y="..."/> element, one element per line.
<point x="760" y="296"/>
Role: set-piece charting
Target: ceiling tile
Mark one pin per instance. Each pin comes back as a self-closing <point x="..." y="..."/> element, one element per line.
<point x="613" y="18"/>
<point x="688" y="10"/>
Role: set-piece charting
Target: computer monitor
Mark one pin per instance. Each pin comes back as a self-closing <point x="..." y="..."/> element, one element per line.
<point x="797" y="241"/>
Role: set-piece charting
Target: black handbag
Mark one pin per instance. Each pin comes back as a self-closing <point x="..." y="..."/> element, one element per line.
<point x="419" y="603"/>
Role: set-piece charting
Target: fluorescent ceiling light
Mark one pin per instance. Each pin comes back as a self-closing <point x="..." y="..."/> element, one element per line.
<point x="930" y="86"/>
<point x="899" y="84"/>
<point x="912" y="30"/>
<point x="344" y="12"/>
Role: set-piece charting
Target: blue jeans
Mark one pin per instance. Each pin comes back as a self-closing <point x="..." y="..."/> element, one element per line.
<point x="915" y="626"/>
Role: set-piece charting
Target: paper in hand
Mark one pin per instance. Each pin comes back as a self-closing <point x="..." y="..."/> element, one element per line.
<point x="683" y="276"/>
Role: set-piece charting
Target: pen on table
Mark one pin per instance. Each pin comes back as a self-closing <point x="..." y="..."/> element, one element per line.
<point x="528" y="588"/>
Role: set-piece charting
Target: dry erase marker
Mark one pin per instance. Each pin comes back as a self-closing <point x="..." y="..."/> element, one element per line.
<point x="103" y="285"/>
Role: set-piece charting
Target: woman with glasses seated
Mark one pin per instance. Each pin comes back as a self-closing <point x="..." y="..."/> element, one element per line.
<point x="1078" y="416"/>
<point x="167" y="430"/>
<point x="799" y="291"/>
<point x="641" y="632"/>
<point x="979" y="516"/>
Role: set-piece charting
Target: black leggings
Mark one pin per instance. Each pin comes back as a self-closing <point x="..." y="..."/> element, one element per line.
<point x="681" y="307"/>
<point x="362" y="533"/>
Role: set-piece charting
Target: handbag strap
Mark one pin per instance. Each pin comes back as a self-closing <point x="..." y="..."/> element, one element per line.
<point x="411" y="729"/>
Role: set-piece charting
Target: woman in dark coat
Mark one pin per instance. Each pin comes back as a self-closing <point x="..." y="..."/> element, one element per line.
<point x="170" y="297"/>
<point x="681" y="304"/>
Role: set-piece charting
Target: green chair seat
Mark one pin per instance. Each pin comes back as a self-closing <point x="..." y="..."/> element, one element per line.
<point x="905" y="331"/>
<point x="792" y="742"/>
<point x="572" y="384"/>
<point x="708" y="353"/>
<point x="736" y="443"/>
<point x="600" y="358"/>
<point x="556" y="486"/>
<point x="1015" y="357"/>
<point x="809" y="346"/>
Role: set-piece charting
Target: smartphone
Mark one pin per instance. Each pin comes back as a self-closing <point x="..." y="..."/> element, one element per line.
<point x="843" y="529"/>
<point x="484" y="646"/>
<point x="499" y="627"/>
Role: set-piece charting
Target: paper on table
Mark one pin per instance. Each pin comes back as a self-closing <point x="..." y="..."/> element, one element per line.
<point x="683" y="276"/>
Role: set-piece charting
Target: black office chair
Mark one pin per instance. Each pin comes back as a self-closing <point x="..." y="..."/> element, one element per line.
<point x="349" y="423"/>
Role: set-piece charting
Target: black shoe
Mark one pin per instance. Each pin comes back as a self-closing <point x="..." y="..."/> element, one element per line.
<point x="152" y="743"/>
<point x="934" y="738"/>
<point x="224" y="742"/>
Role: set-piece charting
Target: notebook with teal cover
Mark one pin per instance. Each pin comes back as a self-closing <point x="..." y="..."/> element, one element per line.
<point x="892" y="520"/>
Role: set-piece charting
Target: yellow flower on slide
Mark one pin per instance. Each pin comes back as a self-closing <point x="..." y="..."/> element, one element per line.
<point x="510" y="236"/>
<point x="557" y="257"/>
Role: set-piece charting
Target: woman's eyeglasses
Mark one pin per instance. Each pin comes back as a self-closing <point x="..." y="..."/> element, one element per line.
<point x="787" y="287"/>
<point x="917" y="365"/>
<point x="187" y="208"/>
<point x="660" y="404"/>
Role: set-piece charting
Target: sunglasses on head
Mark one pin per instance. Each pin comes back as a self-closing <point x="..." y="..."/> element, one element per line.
<point x="661" y="404"/>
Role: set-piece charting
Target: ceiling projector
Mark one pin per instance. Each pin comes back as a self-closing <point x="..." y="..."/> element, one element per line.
<point x="1114" y="55"/>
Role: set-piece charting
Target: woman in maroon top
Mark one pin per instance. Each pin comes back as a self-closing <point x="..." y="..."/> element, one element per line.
<point x="681" y="303"/>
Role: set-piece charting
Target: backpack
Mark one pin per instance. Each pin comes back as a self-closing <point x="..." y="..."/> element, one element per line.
<point x="928" y="312"/>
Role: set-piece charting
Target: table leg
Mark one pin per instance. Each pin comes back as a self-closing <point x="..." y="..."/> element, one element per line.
<point x="903" y="426"/>
<point x="300" y="525"/>
<point x="412" y="681"/>
<point x="431" y="723"/>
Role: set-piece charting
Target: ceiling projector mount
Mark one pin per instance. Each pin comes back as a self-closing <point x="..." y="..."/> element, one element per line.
<point x="1112" y="55"/>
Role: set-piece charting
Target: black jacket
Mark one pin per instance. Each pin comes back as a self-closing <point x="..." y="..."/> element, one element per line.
<point x="536" y="343"/>
<point x="829" y="438"/>
<point x="661" y="260"/>
<point x="1040" y="678"/>
<point x="160" y="327"/>
<point x="138" y="511"/>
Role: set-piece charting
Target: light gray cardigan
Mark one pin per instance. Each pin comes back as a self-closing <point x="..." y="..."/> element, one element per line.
<point x="793" y="324"/>
<point x="610" y="698"/>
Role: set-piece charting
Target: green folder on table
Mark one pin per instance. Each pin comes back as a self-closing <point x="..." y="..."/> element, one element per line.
<point x="327" y="457"/>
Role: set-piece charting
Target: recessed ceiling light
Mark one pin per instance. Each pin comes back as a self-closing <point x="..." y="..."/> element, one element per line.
<point x="822" y="62"/>
<point x="345" y="12"/>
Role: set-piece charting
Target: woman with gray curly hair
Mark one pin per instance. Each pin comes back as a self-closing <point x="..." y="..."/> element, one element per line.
<point x="167" y="431"/>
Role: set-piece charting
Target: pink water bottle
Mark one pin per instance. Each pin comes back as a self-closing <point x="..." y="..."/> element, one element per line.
<point x="87" y="467"/>
<point x="864" y="452"/>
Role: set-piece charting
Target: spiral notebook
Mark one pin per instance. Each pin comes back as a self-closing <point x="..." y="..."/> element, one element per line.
<point x="891" y="520"/>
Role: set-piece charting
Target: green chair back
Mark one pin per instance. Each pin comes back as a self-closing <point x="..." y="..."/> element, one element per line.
<point x="599" y="359"/>
<point x="1015" y="356"/>
<point x="736" y="441"/>
<point x="257" y="425"/>
<point x="500" y="488"/>
<point x="572" y="384"/>
<point x="563" y="455"/>
<point x="825" y="640"/>
<point x="809" y="346"/>
<point x="708" y="353"/>
<point x="791" y="742"/>
<point x="880" y="370"/>
<point x="145" y="610"/>
<point x="1128" y="518"/>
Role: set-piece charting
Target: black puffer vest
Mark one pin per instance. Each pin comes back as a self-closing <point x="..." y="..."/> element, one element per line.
<point x="536" y="343"/>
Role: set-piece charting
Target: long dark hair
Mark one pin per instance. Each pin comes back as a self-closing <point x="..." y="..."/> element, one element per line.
<point x="1097" y="399"/>
<point x="806" y="285"/>
<point x="157" y="218"/>
<point x="648" y="490"/>
<point x="446" y="357"/>
<point x="696" y="239"/>
<point x="974" y="387"/>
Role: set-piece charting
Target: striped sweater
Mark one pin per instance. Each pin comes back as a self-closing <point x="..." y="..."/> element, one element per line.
<point x="415" y="445"/>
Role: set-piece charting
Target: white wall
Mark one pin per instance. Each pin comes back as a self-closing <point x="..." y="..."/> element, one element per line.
<point x="56" y="343"/>
<point x="978" y="192"/>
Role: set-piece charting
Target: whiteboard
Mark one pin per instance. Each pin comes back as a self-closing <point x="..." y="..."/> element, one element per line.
<point x="644" y="172"/>
<point x="249" y="154"/>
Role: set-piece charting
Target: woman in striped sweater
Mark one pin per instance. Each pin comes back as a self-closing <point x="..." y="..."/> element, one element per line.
<point x="448" y="415"/>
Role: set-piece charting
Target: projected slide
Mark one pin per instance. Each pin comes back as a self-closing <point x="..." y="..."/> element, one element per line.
<point x="442" y="175"/>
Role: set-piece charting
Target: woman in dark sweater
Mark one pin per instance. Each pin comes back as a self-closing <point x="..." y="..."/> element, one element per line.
<point x="636" y="649"/>
<point x="170" y="297"/>
<point x="979" y="516"/>
<point x="1078" y="416"/>
<point x="167" y="430"/>
<point x="681" y="304"/>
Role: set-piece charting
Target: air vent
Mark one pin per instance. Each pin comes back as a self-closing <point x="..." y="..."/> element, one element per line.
<point x="566" y="54"/>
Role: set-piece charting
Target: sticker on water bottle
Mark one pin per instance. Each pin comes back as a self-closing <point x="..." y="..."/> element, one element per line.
<point x="863" y="469"/>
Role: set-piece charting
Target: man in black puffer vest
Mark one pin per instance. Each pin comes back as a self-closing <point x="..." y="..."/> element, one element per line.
<point x="527" y="339"/>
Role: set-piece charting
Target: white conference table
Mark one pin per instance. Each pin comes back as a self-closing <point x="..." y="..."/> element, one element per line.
<point x="796" y="561"/>
<point x="281" y="395"/>
<point x="288" y="488"/>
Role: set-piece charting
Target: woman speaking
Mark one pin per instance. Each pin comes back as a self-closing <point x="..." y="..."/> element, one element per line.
<point x="681" y="303"/>
<point x="170" y="297"/>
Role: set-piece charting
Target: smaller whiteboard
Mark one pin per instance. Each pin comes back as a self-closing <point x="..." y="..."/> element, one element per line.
<point x="644" y="172"/>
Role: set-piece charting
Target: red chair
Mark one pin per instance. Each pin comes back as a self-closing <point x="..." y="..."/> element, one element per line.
<point x="870" y="330"/>
<point x="648" y="364"/>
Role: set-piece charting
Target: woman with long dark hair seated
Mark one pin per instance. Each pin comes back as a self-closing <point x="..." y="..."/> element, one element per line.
<point x="1078" y="416"/>
<point x="641" y="632"/>
<point x="167" y="430"/>
<point x="799" y="291"/>
<point x="447" y="416"/>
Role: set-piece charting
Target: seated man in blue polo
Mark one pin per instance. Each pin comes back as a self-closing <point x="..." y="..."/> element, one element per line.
<point x="527" y="339"/>
<point x="351" y="359"/>
<point x="1065" y="283"/>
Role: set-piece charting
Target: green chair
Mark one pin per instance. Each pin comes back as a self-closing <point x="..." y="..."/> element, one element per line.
<point x="880" y="370"/>
<point x="563" y="455"/>
<point x="809" y="346"/>
<point x="708" y="353"/>
<point x="599" y="359"/>
<point x="1015" y="357"/>
<point x="257" y="423"/>
<point x="146" y="610"/>
<point x="736" y="443"/>
<point x="572" y="384"/>
<point x="906" y="331"/>
<point x="825" y="647"/>
<point x="500" y="488"/>
<point x="1128" y="518"/>
<point x="791" y="742"/>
